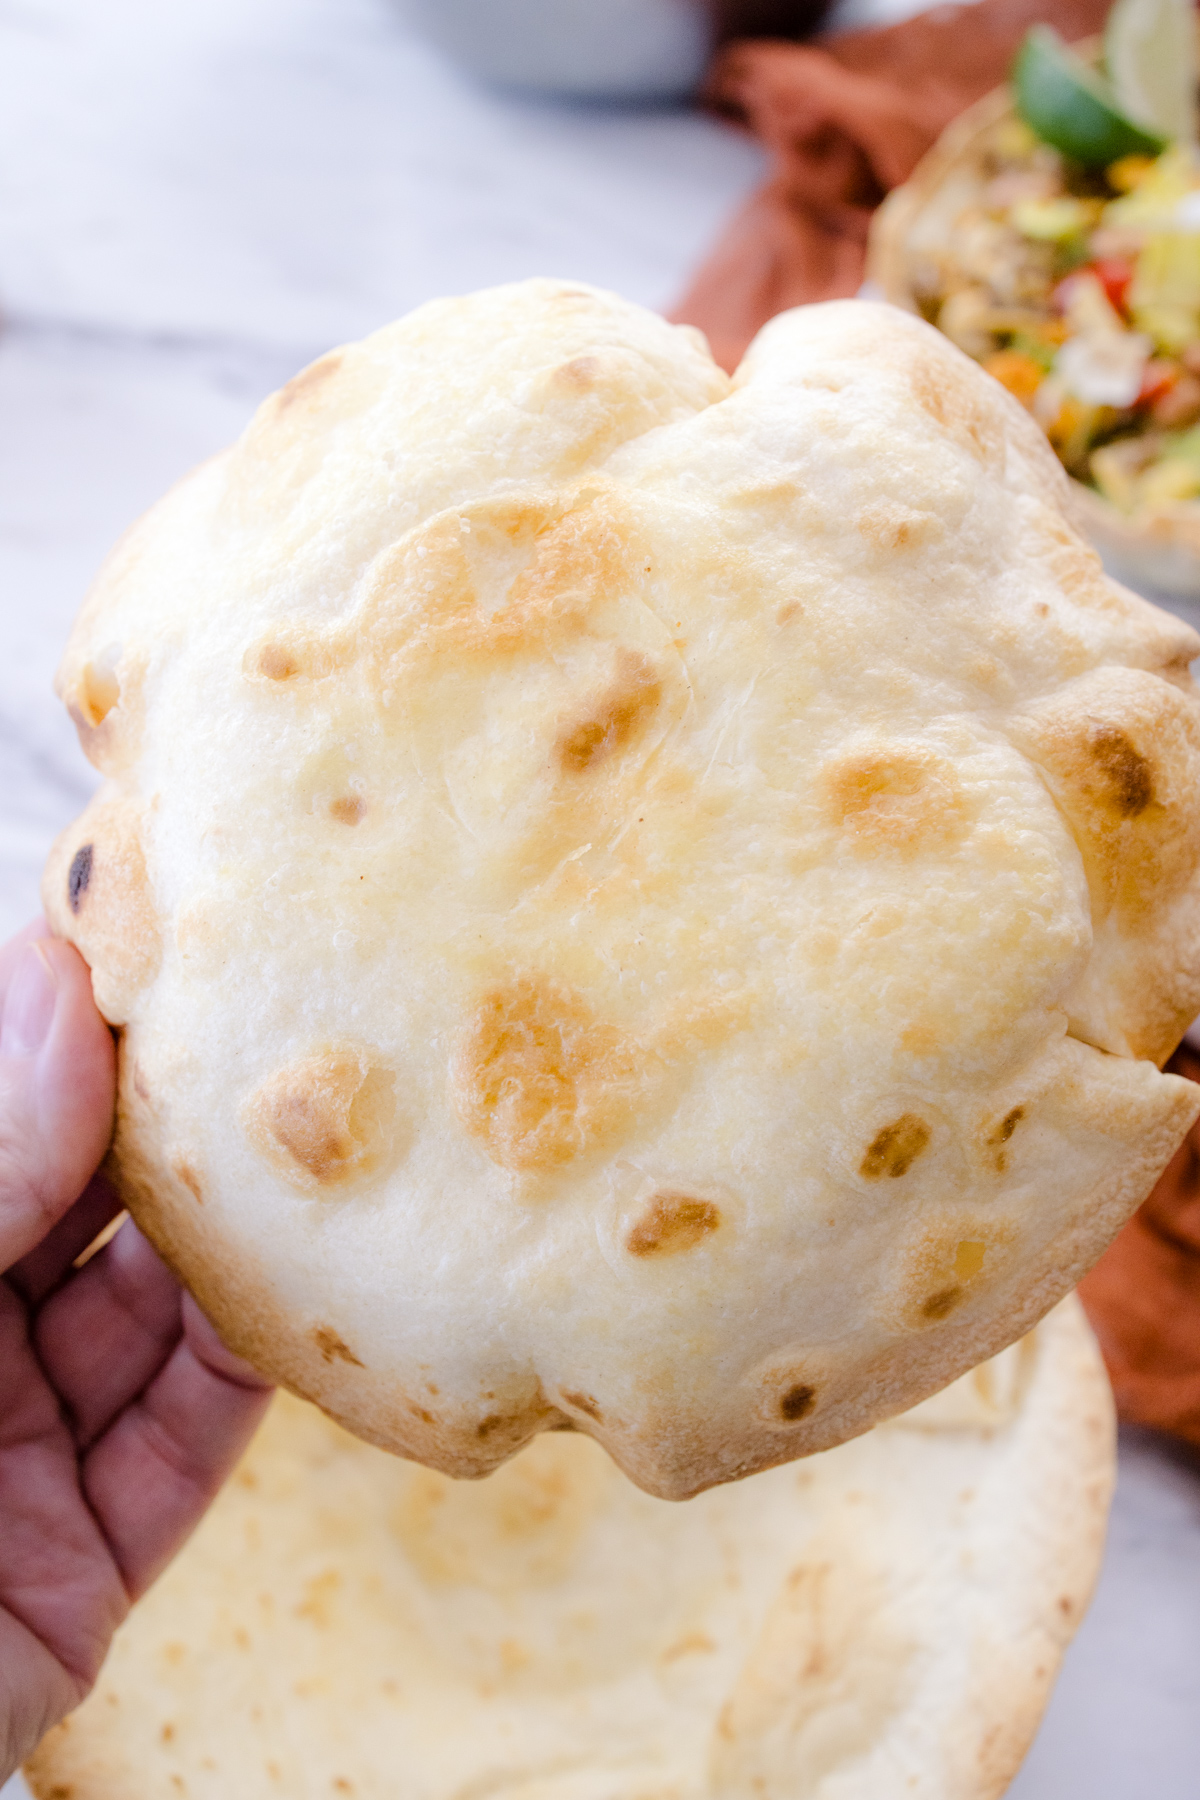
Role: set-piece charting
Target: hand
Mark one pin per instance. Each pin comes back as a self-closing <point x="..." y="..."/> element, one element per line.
<point x="120" y="1411"/>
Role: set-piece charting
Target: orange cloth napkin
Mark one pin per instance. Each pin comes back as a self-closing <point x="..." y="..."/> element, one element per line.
<point x="843" y="123"/>
<point x="1143" y="1296"/>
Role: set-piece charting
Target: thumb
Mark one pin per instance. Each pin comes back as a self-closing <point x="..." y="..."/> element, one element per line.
<point x="57" y="1088"/>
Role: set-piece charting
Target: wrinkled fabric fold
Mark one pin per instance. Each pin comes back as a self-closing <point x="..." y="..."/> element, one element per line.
<point x="844" y="122"/>
<point x="1143" y="1296"/>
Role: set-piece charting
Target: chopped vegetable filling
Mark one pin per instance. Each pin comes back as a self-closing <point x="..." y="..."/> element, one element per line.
<point x="1078" y="288"/>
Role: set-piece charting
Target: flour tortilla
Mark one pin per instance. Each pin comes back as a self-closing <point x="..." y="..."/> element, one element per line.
<point x="882" y="1622"/>
<point x="633" y="899"/>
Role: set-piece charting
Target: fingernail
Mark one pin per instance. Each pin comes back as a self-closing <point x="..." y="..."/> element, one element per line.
<point x="29" y="1004"/>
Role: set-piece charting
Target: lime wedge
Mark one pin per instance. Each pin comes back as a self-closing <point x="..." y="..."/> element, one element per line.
<point x="1150" y="55"/>
<point x="1071" y="107"/>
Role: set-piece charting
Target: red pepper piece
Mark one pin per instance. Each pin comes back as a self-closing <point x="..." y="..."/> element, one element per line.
<point x="1160" y="377"/>
<point x="1114" y="276"/>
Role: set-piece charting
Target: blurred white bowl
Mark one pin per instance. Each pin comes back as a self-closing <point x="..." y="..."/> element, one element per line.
<point x="593" y="49"/>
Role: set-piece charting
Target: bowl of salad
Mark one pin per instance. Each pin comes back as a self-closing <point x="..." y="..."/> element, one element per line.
<point x="1053" y="233"/>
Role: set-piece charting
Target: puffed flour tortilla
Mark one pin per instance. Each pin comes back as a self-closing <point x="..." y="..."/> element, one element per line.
<point x="882" y="1622"/>
<point x="633" y="899"/>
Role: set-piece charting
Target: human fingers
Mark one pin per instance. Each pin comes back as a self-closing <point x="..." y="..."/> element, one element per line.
<point x="57" y="1089"/>
<point x="151" y="1476"/>
<point x="105" y="1334"/>
<point x="56" y="1574"/>
<point x="46" y="1264"/>
<point x="10" y="952"/>
<point x="36" y="1697"/>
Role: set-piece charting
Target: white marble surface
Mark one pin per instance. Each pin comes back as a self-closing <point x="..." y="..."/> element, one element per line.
<point x="193" y="202"/>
